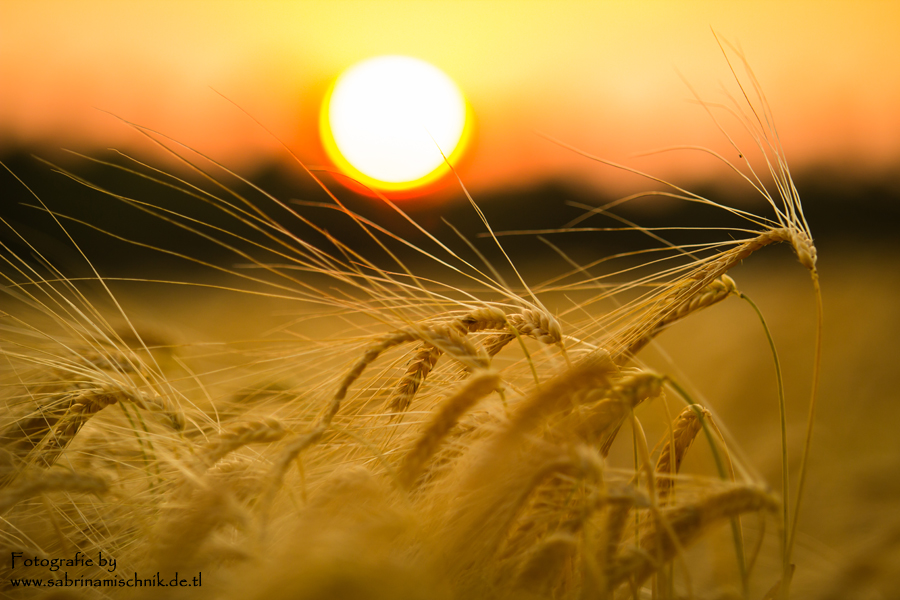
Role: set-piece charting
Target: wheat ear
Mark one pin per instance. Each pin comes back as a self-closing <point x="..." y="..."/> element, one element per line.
<point x="448" y="338"/>
<point x="594" y="372"/>
<point x="482" y="319"/>
<point x="533" y="323"/>
<point x="684" y="430"/>
<point x="427" y="356"/>
<point x="255" y="432"/>
<point x="684" y="291"/>
<point x="64" y="481"/>
<point x="24" y="434"/>
<point x="686" y="522"/>
<point x="477" y="387"/>
<point x="420" y="366"/>
<point x="495" y="496"/>
<point x="715" y="292"/>
<point x="157" y="404"/>
<point x="591" y="421"/>
<point x="606" y="417"/>
<point x="47" y="431"/>
<point x="544" y="565"/>
<point x="83" y="407"/>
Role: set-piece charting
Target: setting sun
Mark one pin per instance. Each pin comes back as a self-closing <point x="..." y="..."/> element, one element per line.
<point x="389" y="122"/>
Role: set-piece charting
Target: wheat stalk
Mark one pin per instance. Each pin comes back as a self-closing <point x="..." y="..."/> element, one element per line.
<point x="686" y="523"/>
<point x="83" y="406"/>
<point x="477" y="387"/>
<point x="448" y="338"/>
<point x="427" y="356"/>
<point x="545" y="564"/>
<point x="254" y="432"/>
<point x="530" y="322"/>
<point x="687" y="425"/>
<point x="422" y="363"/>
<point x="715" y="292"/>
<point x="59" y="481"/>
<point x="682" y="293"/>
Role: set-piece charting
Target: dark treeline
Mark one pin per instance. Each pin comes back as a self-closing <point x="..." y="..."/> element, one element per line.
<point x="839" y="210"/>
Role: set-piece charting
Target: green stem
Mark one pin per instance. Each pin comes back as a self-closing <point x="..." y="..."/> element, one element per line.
<point x="785" y="478"/>
<point x="817" y="361"/>
<point x="720" y="466"/>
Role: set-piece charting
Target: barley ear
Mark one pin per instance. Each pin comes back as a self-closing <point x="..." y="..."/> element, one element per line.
<point x="420" y="366"/>
<point x="474" y="389"/>
<point x="684" y="430"/>
<point x="65" y="481"/>
<point x="686" y="523"/>
<point x="532" y="323"/>
<point x="544" y="565"/>
<point x="83" y="407"/>
<point x="242" y="434"/>
<point x="717" y="291"/>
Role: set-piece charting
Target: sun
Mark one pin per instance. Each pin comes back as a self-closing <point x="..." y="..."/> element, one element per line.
<point x="394" y="122"/>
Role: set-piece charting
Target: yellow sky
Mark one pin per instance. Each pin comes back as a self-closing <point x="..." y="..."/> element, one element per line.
<point x="603" y="76"/>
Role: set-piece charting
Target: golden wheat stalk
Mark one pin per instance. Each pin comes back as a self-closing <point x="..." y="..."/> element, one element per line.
<point x="489" y="500"/>
<point x="24" y="433"/>
<point x="545" y="564"/>
<point x="422" y="363"/>
<point x="530" y="322"/>
<point x="715" y="292"/>
<point x="683" y="292"/>
<point x="43" y="434"/>
<point x="446" y="337"/>
<point x="687" y="522"/>
<point x="602" y="420"/>
<point x="687" y="425"/>
<point x="594" y="372"/>
<point x="242" y="434"/>
<point x="82" y="407"/>
<point x="477" y="387"/>
<point x="59" y="481"/>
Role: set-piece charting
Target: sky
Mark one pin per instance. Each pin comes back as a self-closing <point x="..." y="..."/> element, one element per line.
<point x="610" y="78"/>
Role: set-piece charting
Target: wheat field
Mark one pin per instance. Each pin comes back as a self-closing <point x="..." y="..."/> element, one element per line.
<point x="303" y="420"/>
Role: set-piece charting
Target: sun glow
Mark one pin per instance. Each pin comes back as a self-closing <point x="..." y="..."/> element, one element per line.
<point x="394" y="122"/>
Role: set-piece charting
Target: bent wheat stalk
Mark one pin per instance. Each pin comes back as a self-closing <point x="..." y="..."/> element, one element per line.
<point x="715" y="292"/>
<point x="448" y="338"/>
<point x="477" y="387"/>
<point x="531" y="322"/>
<point x="686" y="290"/>
<point x="242" y="434"/>
<point x="64" y="481"/>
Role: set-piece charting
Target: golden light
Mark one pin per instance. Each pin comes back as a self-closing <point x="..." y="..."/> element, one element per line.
<point x="390" y="121"/>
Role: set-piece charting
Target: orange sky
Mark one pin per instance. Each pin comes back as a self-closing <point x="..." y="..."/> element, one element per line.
<point x="602" y="76"/>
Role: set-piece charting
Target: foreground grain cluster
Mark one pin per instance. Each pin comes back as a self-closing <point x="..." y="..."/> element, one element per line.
<point x="445" y="442"/>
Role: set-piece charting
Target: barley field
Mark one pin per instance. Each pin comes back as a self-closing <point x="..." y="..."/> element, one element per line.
<point x="369" y="410"/>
